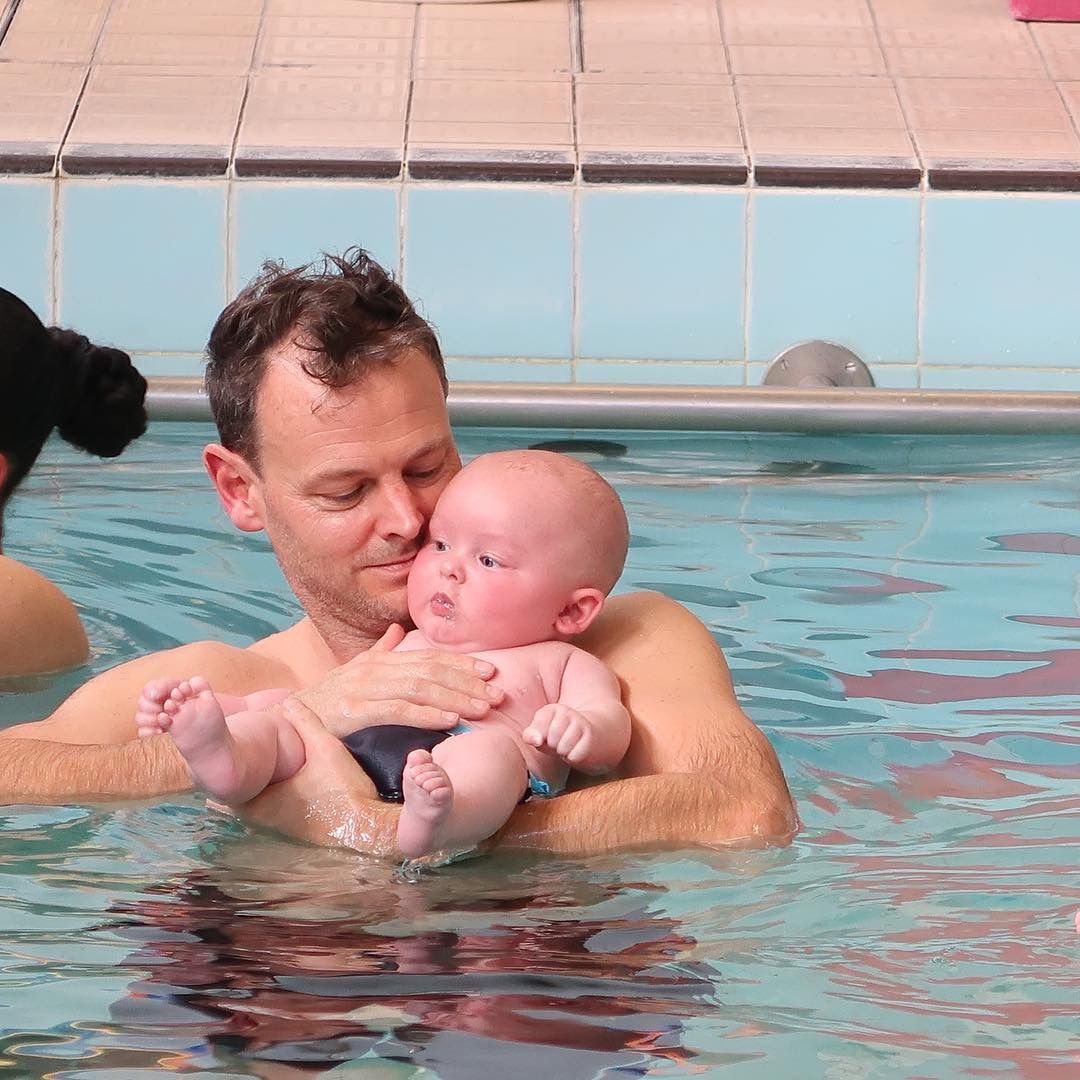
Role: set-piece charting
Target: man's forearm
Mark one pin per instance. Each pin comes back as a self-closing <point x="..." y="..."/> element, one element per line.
<point x="669" y="810"/>
<point x="35" y="771"/>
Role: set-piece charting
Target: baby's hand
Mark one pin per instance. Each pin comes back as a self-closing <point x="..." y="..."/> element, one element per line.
<point x="561" y="730"/>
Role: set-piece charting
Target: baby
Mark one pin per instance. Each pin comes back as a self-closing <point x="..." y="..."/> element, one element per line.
<point x="522" y="549"/>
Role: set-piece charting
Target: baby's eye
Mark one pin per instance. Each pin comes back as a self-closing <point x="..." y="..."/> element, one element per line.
<point x="488" y="562"/>
<point x="440" y="545"/>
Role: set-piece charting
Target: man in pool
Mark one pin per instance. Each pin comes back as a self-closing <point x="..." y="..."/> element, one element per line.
<point x="522" y="549"/>
<point x="329" y="394"/>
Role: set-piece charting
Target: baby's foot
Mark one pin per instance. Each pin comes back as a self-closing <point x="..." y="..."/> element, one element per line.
<point x="195" y="721"/>
<point x="150" y="717"/>
<point x="429" y="795"/>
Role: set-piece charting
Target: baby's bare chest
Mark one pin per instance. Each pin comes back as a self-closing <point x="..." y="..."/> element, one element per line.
<point x="530" y="677"/>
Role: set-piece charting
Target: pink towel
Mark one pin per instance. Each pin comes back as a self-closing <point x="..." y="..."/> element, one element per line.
<point x="1046" y="10"/>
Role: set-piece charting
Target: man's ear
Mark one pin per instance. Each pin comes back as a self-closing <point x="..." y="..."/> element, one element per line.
<point x="580" y="611"/>
<point x="237" y="487"/>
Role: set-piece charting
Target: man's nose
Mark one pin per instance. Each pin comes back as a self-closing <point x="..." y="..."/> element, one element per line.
<point x="400" y="513"/>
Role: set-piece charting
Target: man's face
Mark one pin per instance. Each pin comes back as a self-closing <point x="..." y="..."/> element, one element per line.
<point x="346" y="483"/>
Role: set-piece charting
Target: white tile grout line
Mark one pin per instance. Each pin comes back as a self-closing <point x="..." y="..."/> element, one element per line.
<point x="920" y="288"/>
<point x="56" y="278"/>
<point x="402" y="274"/>
<point x="749" y="205"/>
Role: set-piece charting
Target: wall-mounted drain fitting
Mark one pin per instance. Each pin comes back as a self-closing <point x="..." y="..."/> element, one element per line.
<point x="817" y="364"/>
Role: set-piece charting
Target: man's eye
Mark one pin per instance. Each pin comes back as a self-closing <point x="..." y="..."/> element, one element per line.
<point x="346" y="498"/>
<point x="426" y="474"/>
<point x="488" y="562"/>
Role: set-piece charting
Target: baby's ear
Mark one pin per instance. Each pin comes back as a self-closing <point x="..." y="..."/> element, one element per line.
<point x="582" y="607"/>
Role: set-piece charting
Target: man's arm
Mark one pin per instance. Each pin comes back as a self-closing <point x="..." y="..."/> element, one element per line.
<point x="697" y="772"/>
<point x="87" y="749"/>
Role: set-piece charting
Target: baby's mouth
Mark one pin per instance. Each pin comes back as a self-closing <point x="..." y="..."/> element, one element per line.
<point x="442" y="605"/>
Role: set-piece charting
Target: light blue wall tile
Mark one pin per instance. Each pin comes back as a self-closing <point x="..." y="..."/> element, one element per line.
<point x="662" y="275"/>
<point x="298" y="222"/>
<point x="170" y="364"/>
<point x="26" y="244"/>
<point x="1002" y="281"/>
<point x="839" y="267"/>
<point x="491" y="268"/>
<point x="550" y="371"/>
<point x="990" y="378"/>
<point x="663" y="373"/>
<point x="143" y="265"/>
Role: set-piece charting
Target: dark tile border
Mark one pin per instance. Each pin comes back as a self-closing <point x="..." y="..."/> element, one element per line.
<point x="957" y="174"/>
<point x="28" y="158"/>
<point x="776" y="170"/>
<point x="92" y="159"/>
<point x="453" y="163"/>
<point x="656" y="167"/>
<point x="340" y="162"/>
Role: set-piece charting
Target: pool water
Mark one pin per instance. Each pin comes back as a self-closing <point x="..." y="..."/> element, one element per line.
<point x="902" y="617"/>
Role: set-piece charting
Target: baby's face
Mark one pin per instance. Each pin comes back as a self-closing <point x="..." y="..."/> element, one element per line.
<point x="493" y="573"/>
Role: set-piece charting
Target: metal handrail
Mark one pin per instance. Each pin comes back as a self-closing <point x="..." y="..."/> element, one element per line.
<point x="696" y="408"/>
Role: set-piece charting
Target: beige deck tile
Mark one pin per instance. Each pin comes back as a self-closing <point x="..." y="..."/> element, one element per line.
<point x="158" y="109"/>
<point x="30" y="46"/>
<point x="228" y="55"/>
<point x="962" y="59"/>
<point x="316" y="26"/>
<point x="879" y="94"/>
<point x="346" y="9"/>
<point x="983" y="105"/>
<point x="706" y="58"/>
<point x="376" y="54"/>
<point x="492" y="54"/>
<point x="1059" y="44"/>
<point x="340" y="110"/>
<point x="38" y="101"/>
<point x="645" y="135"/>
<point x="965" y="15"/>
<point x="508" y="135"/>
<point x="55" y="20"/>
<point x="1007" y="146"/>
<point x="137" y="21"/>
<point x="829" y="142"/>
<point x="806" y="60"/>
<point x="537" y="11"/>
<point x="469" y="100"/>
<point x="184" y="8"/>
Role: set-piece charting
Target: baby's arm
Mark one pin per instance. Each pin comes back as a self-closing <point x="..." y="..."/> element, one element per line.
<point x="588" y="727"/>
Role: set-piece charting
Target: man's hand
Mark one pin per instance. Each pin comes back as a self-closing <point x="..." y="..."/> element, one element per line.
<point x="422" y="688"/>
<point x="331" y="800"/>
<point x="562" y="731"/>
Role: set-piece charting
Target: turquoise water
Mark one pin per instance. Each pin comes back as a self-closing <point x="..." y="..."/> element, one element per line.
<point x="902" y="618"/>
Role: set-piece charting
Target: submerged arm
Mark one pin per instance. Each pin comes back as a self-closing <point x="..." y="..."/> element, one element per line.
<point x="87" y="749"/>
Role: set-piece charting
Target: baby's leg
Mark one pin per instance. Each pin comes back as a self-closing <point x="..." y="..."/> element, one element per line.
<point x="150" y="720"/>
<point x="460" y="793"/>
<point x="232" y="759"/>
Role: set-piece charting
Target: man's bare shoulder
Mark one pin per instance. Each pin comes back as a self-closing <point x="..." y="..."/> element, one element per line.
<point x="103" y="709"/>
<point x="634" y="618"/>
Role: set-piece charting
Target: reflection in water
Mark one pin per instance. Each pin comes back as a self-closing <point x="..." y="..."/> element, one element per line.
<point x="259" y="985"/>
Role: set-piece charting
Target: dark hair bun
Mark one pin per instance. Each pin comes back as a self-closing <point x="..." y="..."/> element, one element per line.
<point x="102" y="406"/>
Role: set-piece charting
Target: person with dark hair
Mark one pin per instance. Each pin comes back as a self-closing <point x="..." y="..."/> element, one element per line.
<point x="52" y="379"/>
<point x="330" y="397"/>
